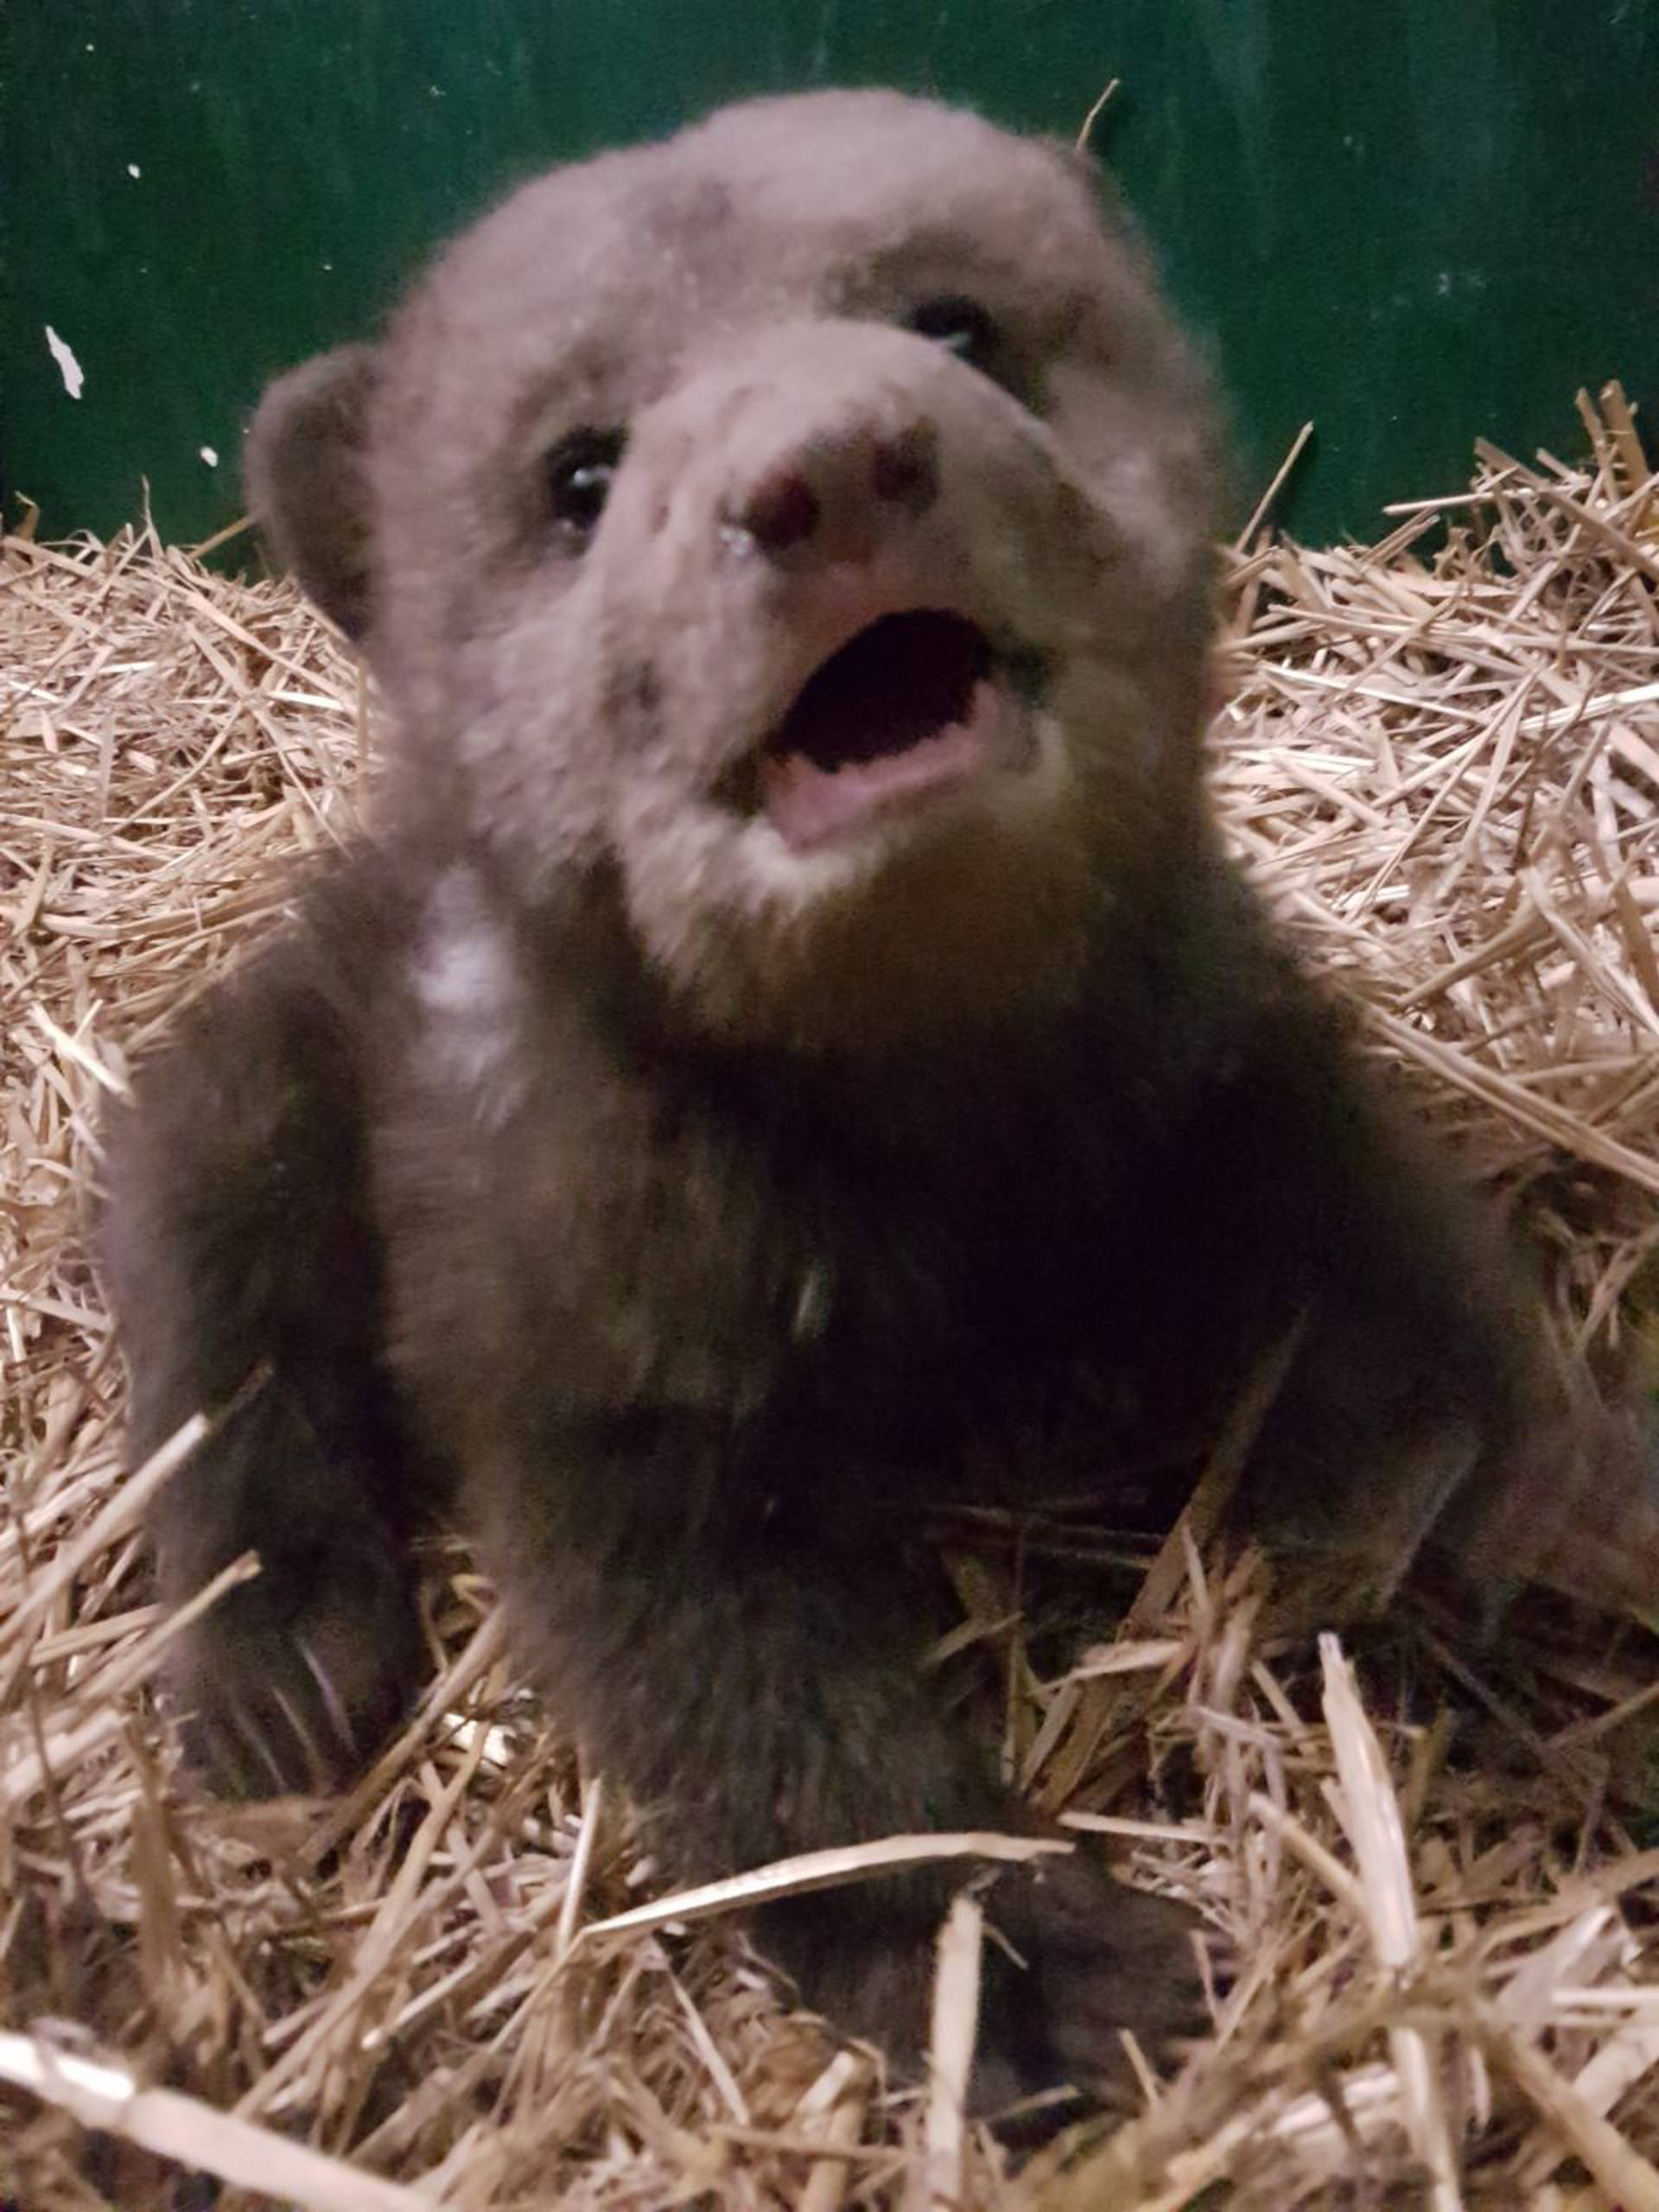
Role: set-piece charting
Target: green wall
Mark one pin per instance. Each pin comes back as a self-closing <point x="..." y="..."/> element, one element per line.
<point x="1415" y="220"/>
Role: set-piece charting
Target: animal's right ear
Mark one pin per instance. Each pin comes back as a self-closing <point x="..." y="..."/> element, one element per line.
<point x="308" y="485"/>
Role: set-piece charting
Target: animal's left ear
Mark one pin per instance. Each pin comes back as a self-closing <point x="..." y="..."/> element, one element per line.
<point x="1096" y="181"/>
<point x="308" y="485"/>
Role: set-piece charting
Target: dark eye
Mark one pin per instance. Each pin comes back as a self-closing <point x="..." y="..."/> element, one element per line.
<point x="579" y="472"/>
<point x="960" y="325"/>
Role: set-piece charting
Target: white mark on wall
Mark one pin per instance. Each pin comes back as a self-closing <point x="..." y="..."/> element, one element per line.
<point x="133" y="169"/>
<point x="210" y="454"/>
<point x="68" y="368"/>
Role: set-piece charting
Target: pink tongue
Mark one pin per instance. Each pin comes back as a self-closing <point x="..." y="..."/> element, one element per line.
<point x="807" y="805"/>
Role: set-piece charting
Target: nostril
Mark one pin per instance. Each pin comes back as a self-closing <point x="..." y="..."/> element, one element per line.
<point x="832" y="493"/>
<point x="781" y="511"/>
<point x="905" y="468"/>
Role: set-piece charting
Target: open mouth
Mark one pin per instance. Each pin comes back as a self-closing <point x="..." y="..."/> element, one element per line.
<point x="910" y="706"/>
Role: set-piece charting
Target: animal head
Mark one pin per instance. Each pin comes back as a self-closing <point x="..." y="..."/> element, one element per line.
<point x="800" y="528"/>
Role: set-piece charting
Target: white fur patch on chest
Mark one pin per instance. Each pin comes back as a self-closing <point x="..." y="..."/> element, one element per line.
<point x="471" y="999"/>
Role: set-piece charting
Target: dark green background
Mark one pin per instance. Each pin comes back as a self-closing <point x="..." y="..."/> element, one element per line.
<point x="1415" y="220"/>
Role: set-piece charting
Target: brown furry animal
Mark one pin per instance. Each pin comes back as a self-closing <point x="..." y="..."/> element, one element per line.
<point x="795" y="1027"/>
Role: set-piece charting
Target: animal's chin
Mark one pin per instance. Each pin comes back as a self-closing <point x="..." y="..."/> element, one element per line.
<point x="915" y="706"/>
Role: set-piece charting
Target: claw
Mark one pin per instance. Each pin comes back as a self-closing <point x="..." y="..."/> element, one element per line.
<point x="333" y="1704"/>
<point x="316" y="1767"/>
<point x="253" y="1736"/>
<point x="219" y="1751"/>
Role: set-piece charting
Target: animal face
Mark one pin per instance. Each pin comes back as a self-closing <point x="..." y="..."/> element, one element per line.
<point x="798" y="528"/>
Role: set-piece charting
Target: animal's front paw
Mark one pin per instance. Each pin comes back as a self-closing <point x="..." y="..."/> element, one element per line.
<point x="1093" y="1960"/>
<point x="1071" y="1960"/>
<point x="291" y="1683"/>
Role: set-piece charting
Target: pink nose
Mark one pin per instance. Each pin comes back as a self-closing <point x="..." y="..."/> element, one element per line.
<point x="835" y="497"/>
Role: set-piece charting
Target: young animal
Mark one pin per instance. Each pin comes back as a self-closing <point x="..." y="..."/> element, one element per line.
<point x="794" y="1027"/>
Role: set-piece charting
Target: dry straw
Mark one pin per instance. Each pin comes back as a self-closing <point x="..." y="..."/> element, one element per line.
<point x="1440" y="759"/>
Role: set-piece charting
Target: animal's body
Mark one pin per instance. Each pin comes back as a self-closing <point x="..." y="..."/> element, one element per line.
<point x="794" y="1028"/>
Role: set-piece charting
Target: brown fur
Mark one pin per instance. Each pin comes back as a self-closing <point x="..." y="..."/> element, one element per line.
<point x="696" y="1207"/>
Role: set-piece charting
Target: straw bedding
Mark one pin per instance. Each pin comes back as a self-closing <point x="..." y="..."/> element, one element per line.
<point x="1441" y="760"/>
